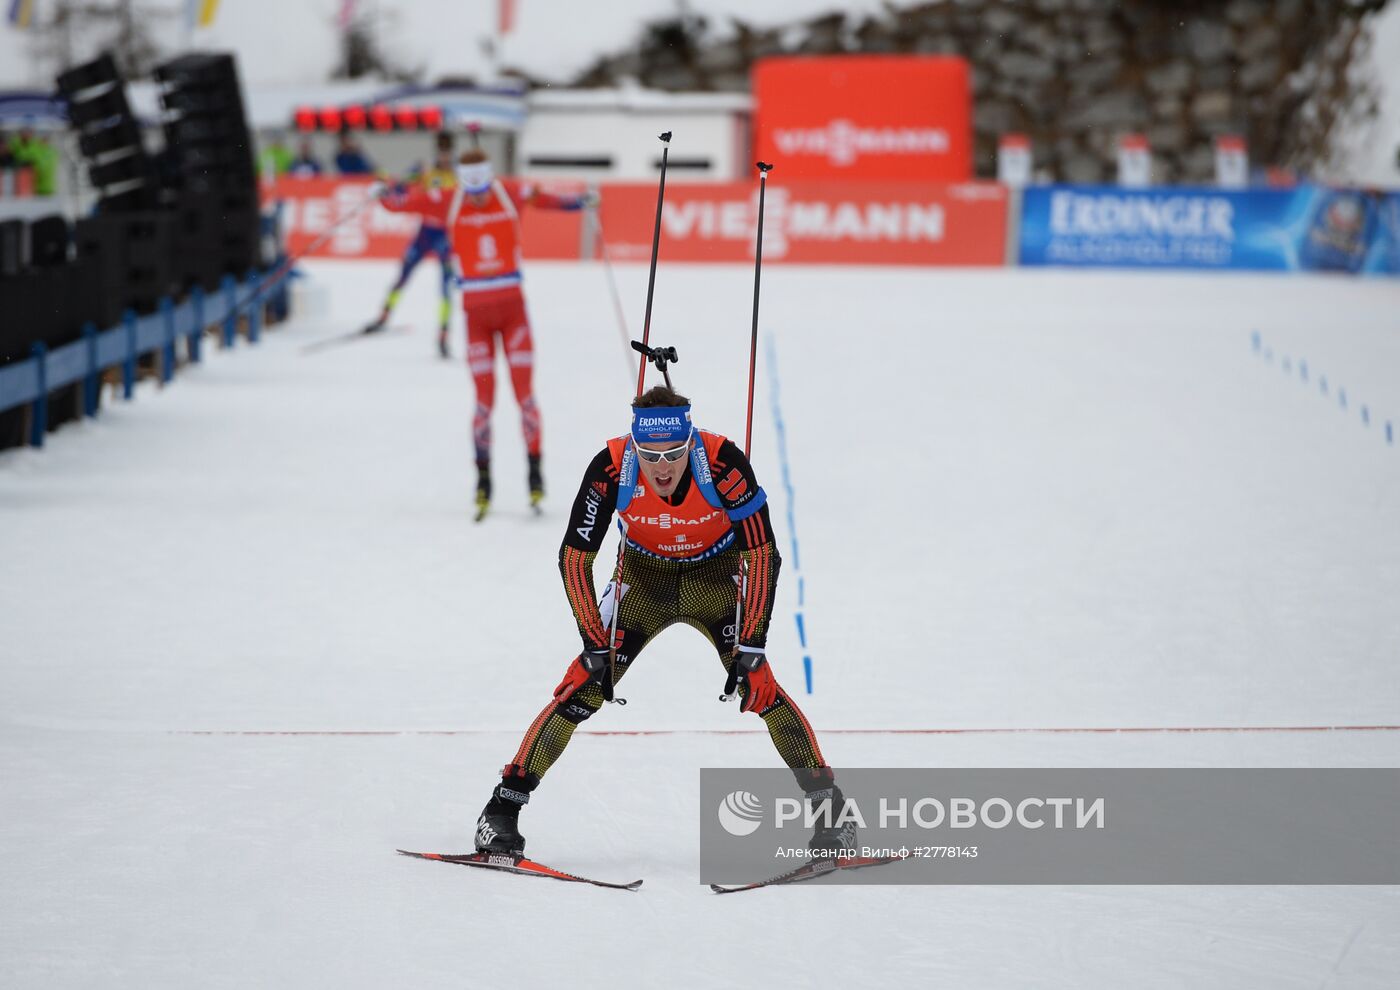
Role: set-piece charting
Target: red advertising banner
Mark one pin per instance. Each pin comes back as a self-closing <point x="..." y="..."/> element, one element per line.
<point x="865" y="116"/>
<point x="313" y="206"/>
<point x="861" y="223"/>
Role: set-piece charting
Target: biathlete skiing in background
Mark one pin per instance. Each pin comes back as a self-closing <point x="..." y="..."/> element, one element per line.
<point x="691" y="511"/>
<point x="483" y="225"/>
<point x="430" y="239"/>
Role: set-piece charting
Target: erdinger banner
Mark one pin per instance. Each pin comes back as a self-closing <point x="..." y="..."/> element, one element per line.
<point x="1384" y="256"/>
<point x="1307" y="228"/>
<point x="313" y="206"/>
<point x="866" y="223"/>
<point x="865" y="117"/>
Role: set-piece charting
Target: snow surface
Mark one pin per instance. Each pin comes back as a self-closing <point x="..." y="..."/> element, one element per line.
<point x="252" y="641"/>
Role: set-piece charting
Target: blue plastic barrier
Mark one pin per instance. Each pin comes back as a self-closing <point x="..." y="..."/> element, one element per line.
<point x="29" y="382"/>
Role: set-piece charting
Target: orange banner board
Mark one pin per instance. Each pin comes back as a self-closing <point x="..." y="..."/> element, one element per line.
<point x="865" y="116"/>
<point x="311" y="207"/>
<point x="864" y="223"/>
<point x="861" y="223"/>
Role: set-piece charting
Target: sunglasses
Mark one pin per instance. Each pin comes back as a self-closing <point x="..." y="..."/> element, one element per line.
<point x="669" y="456"/>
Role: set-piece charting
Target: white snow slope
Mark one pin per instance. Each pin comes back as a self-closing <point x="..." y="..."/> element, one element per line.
<point x="1025" y="500"/>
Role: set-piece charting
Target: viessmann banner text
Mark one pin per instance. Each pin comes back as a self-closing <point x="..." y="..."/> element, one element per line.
<point x="847" y="222"/>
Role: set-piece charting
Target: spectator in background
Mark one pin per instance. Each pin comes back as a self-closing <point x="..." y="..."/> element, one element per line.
<point x="31" y="150"/>
<point x="7" y="158"/>
<point x="305" y="165"/>
<point x="350" y="160"/>
<point x="431" y="239"/>
<point x="276" y="158"/>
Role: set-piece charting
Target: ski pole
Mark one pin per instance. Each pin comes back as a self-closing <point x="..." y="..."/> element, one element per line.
<point x="641" y="381"/>
<point x="281" y="271"/>
<point x="655" y="247"/>
<point x="763" y="169"/>
<point x="612" y="286"/>
<point x="731" y="683"/>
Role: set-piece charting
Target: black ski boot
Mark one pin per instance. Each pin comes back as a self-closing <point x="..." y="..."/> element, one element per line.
<point x="498" y="828"/>
<point x="483" y="489"/>
<point x="444" y="351"/>
<point x="831" y="837"/>
<point x="536" y="483"/>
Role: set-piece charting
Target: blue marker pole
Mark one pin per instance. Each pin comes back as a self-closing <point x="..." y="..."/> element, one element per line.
<point x="167" y="348"/>
<point x="91" y="381"/>
<point x="230" y="311"/>
<point x="255" y="309"/>
<point x="39" y="415"/>
<point x="129" y="362"/>
<point x="197" y="331"/>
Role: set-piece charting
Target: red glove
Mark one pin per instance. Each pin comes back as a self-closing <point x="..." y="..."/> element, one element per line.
<point x="590" y="665"/>
<point x="751" y="669"/>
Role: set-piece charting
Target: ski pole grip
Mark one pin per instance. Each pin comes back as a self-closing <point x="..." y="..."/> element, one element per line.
<point x="659" y="356"/>
<point x="731" y="683"/>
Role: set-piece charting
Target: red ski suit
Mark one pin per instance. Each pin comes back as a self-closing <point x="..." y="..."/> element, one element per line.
<point x="485" y="235"/>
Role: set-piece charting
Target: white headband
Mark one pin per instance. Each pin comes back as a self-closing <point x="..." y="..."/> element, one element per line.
<point x="476" y="177"/>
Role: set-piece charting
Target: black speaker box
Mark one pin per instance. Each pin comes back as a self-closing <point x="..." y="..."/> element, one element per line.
<point x="102" y="69"/>
<point x="134" y="255"/>
<point x="105" y="106"/>
<point x="48" y="242"/>
<point x="121" y="135"/>
<point x="13" y="234"/>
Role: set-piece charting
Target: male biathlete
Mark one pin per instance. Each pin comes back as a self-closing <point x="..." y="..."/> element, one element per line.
<point x="691" y="511"/>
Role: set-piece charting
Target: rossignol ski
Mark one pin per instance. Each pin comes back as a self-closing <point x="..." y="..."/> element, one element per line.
<point x="508" y="863"/>
<point x="807" y="871"/>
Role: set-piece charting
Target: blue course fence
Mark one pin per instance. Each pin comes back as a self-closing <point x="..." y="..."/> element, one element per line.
<point x="29" y="382"/>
